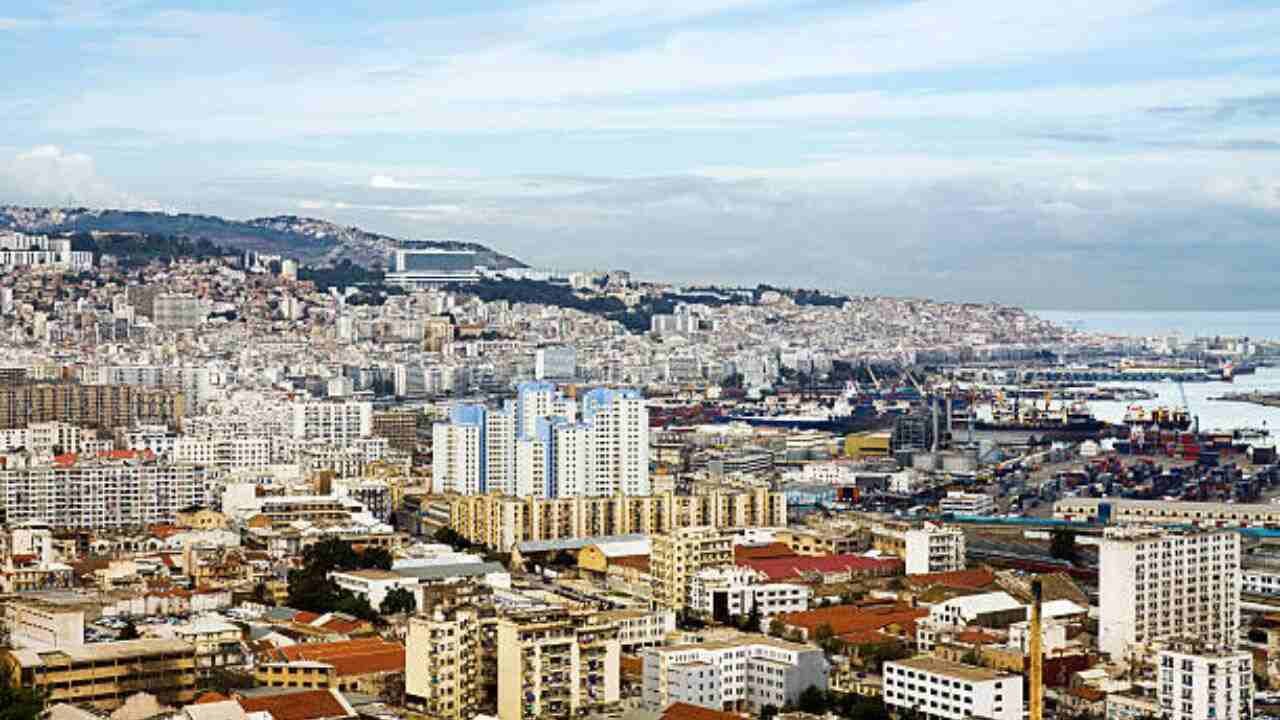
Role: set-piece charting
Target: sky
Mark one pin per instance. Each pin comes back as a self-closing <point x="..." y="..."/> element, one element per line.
<point x="1118" y="154"/>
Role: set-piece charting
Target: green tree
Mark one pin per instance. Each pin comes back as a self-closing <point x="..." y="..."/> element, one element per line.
<point x="813" y="700"/>
<point x="769" y="712"/>
<point x="225" y="680"/>
<point x="262" y="595"/>
<point x="1062" y="545"/>
<point x="751" y="621"/>
<point x="776" y="628"/>
<point x="375" y="558"/>
<point x="399" y="600"/>
<point x="17" y="702"/>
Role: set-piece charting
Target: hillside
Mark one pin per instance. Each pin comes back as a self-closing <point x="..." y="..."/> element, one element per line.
<point x="311" y="241"/>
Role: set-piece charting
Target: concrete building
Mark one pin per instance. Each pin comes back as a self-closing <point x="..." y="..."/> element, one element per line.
<point x="415" y="267"/>
<point x="1161" y="512"/>
<point x="964" y="503"/>
<point x="924" y="548"/>
<point x="727" y="593"/>
<point x="18" y="250"/>
<point x="559" y="362"/>
<point x="680" y="555"/>
<point x="745" y="673"/>
<point x="556" y="667"/>
<point x="103" y="675"/>
<point x="442" y="664"/>
<point x="333" y="422"/>
<point x="41" y="625"/>
<point x="1203" y="684"/>
<point x="1161" y="585"/>
<point x="102" y="407"/>
<point x="172" y="311"/>
<point x="943" y="690"/>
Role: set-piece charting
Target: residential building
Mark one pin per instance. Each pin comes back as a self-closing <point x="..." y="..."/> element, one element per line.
<point x="943" y="690"/>
<point x="924" y="548"/>
<point x="1163" y="585"/>
<point x="559" y="362"/>
<point x="42" y="625"/>
<point x="966" y="503"/>
<point x="727" y="593"/>
<point x="556" y="667"/>
<point x="365" y="666"/>
<point x="681" y="554"/>
<point x="744" y="673"/>
<point x="1204" y="684"/>
<point x="178" y="311"/>
<point x="102" y="407"/>
<point x="334" y="422"/>
<point x="442" y="663"/>
<point x="103" y="675"/>
<point x="1117" y="511"/>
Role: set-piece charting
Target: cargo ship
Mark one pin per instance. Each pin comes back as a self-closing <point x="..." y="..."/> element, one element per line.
<point x="841" y="417"/>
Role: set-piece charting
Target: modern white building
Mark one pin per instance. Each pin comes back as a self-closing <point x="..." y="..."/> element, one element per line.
<point x="1257" y="581"/>
<point x="1202" y="684"/>
<point x="963" y="503"/>
<point x="726" y="593"/>
<point x="926" y="548"/>
<point x="942" y="689"/>
<point x="1162" y="585"/>
<point x="537" y="447"/>
<point x="41" y="251"/>
<point x="744" y="673"/>
<point x="559" y="362"/>
<point x="415" y="266"/>
<point x="335" y="422"/>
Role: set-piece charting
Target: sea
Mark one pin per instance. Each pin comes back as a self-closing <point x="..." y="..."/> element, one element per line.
<point x="1212" y="414"/>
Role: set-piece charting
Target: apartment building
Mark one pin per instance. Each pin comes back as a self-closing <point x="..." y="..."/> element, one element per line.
<point x="818" y="542"/>
<point x="745" y="673"/>
<point x="944" y="690"/>
<point x="1205" y="684"/>
<point x="726" y="593"/>
<point x="502" y="522"/>
<point x="178" y="311"/>
<point x="1162" y="585"/>
<point x="1160" y="512"/>
<point x="41" y="625"/>
<point x="103" y="675"/>
<point x="400" y="428"/>
<point x="333" y="422"/>
<point x="556" y="667"/>
<point x="101" y="407"/>
<point x="18" y="250"/>
<point x="442" y="664"/>
<point x="639" y="628"/>
<point x="678" y="556"/>
<point x="113" y="491"/>
<point x="195" y="383"/>
<point x="536" y="446"/>
<point x="924" y="548"/>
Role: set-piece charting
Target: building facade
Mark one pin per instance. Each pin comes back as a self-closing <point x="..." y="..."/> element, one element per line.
<point x="746" y="673"/>
<point x="943" y="690"/>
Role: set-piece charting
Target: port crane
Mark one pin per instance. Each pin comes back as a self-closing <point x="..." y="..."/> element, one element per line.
<point x="1186" y="407"/>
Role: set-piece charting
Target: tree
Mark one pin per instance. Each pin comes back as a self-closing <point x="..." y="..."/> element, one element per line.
<point x="776" y="628"/>
<point x="128" y="632"/>
<point x="399" y="600"/>
<point x="751" y="621"/>
<point x="823" y="632"/>
<point x="262" y="595"/>
<point x="768" y="712"/>
<point x="813" y="700"/>
<point x="225" y="680"/>
<point x="17" y="702"/>
<point x="1062" y="545"/>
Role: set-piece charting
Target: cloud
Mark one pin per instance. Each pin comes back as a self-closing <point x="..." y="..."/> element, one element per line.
<point x="48" y="174"/>
<point x="386" y="182"/>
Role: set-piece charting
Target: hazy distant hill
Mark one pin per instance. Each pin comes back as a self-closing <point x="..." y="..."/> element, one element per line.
<point x="315" y="242"/>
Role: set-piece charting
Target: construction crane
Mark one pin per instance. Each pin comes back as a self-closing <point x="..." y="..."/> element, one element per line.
<point x="1035" y="650"/>
<point x="1186" y="407"/>
<point x="874" y="380"/>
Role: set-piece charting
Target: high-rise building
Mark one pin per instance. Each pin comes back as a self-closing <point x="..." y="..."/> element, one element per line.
<point x="562" y="666"/>
<point x="172" y="311"/>
<point x="336" y="422"/>
<point x="457" y="452"/>
<point x="1156" y="584"/>
<point x="677" y="556"/>
<point x="442" y="668"/>
<point x="103" y="407"/>
<point x="618" y="449"/>
<point x="1203" y="684"/>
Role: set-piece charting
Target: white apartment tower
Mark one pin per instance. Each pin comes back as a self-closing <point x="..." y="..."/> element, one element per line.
<point x="619" y="446"/>
<point x="335" y="422"/>
<point x="1160" y="585"/>
<point x="1202" y="684"/>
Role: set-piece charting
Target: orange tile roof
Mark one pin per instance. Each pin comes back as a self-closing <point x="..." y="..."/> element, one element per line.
<point x="973" y="579"/>
<point x="211" y="697"/>
<point x="305" y="705"/>
<point x="685" y="711"/>
<point x="852" y="619"/>
<point x="630" y="666"/>
<point x="976" y="636"/>
<point x="761" y="552"/>
<point x="639" y="562"/>
<point x="350" y="657"/>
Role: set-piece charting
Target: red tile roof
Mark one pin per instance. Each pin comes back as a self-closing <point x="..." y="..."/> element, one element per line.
<point x="305" y="705"/>
<point x="210" y="697"/>
<point x="685" y="711"/>
<point x="853" y="619"/>
<point x="793" y="568"/>
<point x="639" y="562"/>
<point x="974" y="579"/>
<point x="351" y="657"/>
<point x="761" y="552"/>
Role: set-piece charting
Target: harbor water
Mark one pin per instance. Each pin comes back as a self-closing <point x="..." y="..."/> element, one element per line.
<point x="1213" y="414"/>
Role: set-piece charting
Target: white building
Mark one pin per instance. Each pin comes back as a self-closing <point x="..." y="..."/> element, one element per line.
<point x="963" y="503"/>
<point x="1256" y="581"/>
<point x="725" y="593"/>
<point x="556" y="363"/>
<point x="374" y="585"/>
<point x="1159" y="585"/>
<point x="41" y="251"/>
<point x="334" y="422"/>
<point x="177" y="311"/>
<point x="1205" y="685"/>
<point x="746" y="673"/>
<point x="938" y="688"/>
<point x="928" y="548"/>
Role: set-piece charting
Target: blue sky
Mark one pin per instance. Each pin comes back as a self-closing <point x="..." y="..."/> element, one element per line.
<point x="1053" y="154"/>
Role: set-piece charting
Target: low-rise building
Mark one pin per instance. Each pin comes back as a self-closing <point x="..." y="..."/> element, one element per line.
<point x="725" y="593"/>
<point x="948" y="690"/>
<point x="924" y="548"/>
<point x="1205" y="684"/>
<point x="103" y="675"/>
<point x="745" y="673"/>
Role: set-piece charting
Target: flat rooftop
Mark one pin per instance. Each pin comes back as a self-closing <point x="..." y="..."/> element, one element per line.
<point x="96" y="652"/>
<point x="938" y="666"/>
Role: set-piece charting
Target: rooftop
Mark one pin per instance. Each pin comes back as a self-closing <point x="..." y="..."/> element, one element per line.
<point x="938" y="666"/>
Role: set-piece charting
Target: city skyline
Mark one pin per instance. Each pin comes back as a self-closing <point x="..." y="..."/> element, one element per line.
<point x="1064" y="155"/>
